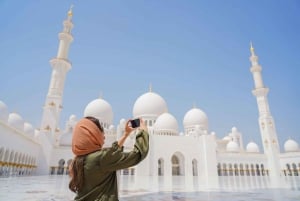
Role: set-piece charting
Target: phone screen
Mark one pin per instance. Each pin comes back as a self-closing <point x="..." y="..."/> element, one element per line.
<point x="135" y="123"/>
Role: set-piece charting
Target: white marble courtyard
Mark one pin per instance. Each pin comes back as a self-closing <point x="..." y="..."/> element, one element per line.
<point x="55" y="188"/>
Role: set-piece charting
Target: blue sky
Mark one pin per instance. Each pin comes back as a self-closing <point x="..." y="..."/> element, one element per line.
<point x="192" y="52"/>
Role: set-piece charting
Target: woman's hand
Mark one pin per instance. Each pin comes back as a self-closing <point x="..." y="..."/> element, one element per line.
<point x="143" y="125"/>
<point x="128" y="128"/>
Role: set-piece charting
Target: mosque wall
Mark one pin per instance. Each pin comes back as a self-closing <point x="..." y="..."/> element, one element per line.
<point x="19" y="152"/>
<point x="60" y="160"/>
<point x="290" y="163"/>
<point x="242" y="164"/>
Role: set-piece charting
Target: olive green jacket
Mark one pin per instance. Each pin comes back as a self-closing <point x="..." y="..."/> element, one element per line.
<point x="100" y="178"/>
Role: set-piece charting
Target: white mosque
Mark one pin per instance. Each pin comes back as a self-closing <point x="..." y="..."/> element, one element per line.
<point x="199" y="155"/>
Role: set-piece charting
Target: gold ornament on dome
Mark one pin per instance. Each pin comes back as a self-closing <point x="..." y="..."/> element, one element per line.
<point x="70" y="13"/>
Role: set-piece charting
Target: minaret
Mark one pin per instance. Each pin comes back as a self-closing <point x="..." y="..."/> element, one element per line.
<point x="60" y="66"/>
<point x="266" y="122"/>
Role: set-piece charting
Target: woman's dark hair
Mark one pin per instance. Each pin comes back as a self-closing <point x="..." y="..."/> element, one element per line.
<point x="76" y="173"/>
<point x="96" y="121"/>
<point x="76" y="167"/>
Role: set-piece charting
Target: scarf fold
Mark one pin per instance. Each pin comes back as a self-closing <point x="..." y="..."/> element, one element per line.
<point x="86" y="138"/>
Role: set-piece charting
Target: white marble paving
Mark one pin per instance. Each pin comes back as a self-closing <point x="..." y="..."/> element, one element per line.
<point x="55" y="188"/>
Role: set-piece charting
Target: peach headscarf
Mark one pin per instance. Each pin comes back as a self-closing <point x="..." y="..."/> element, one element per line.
<point x="86" y="138"/>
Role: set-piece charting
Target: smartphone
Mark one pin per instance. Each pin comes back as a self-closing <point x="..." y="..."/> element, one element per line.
<point x="135" y="123"/>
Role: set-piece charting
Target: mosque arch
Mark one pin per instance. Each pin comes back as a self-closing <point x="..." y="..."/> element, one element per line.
<point x="219" y="169"/>
<point x="60" y="169"/>
<point x="241" y="169"/>
<point x="263" y="171"/>
<point x="236" y="170"/>
<point x="230" y="170"/>
<point x="6" y="155"/>
<point x="225" y="173"/>
<point x="5" y="162"/>
<point x="252" y="170"/>
<point x="289" y="171"/>
<point x="257" y="170"/>
<point x="1" y="154"/>
<point x="195" y="167"/>
<point x="295" y="171"/>
<point x="68" y="165"/>
<point x="160" y="167"/>
<point x="177" y="164"/>
<point x="247" y="170"/>
<point x="10" y="162"/>
<point x="1" y="160"/>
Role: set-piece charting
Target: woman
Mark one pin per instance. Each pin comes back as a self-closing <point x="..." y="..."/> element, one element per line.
<point x="93" y="170"/>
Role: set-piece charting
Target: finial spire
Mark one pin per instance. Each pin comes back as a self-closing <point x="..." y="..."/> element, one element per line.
<point x="70" y="12"/>
<point x="100" y="95"/>
<point x="150" y="87"/>
<point x="194" y="105"/>
<point x="252" y="48"/>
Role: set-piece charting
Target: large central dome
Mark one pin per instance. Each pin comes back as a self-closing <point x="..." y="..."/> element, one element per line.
<point x="149" y="104"/>
<point x="100" y="109"/>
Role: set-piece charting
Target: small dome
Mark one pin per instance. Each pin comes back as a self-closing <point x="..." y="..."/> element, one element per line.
<point x="232" y="146"/>
<point x="233" y="129"/>
<point x="291" y="146"/>
<point x="99" y="109"/>
<point x="252" y="147"/>
<point x="72" y="118"/>
<point x="123" y="121"/>
<point x="16" y="121"/>
<point x="3" y="112"/>
<point x="227" y="138"/>
<point x="166" y="121"/>
<point x="195" y="117"/>
<point x="111" y="127"/>
<point x="28" y="129"/>
<point x="149" y="104"/>
<point x="234" y="132"/>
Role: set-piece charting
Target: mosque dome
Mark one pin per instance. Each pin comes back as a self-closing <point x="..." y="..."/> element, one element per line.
<point x="232" y="146"/>
<point x="72" y="118"/>
<point x="99" y="109"/>
<point x="16" y="121"/>
<point x="227" y="138"/>
<point x="252" y="147"/>
<point x="165" y="122"/>
<point x="150" y="104"/>
<point x="72" y="121"/>
<point x="291" y="146"/>
<point x="123" y="121"/>
<point x="195" y="117"/>
<point x="28" y="129"/>
<point x="3" y="111"/>
<point x="233" y="129"/>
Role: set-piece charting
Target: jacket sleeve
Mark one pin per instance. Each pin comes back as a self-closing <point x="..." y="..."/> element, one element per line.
<point x="114" y="158"/>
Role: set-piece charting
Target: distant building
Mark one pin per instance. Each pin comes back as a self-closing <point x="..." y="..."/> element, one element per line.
<point x="194" y="153"/>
